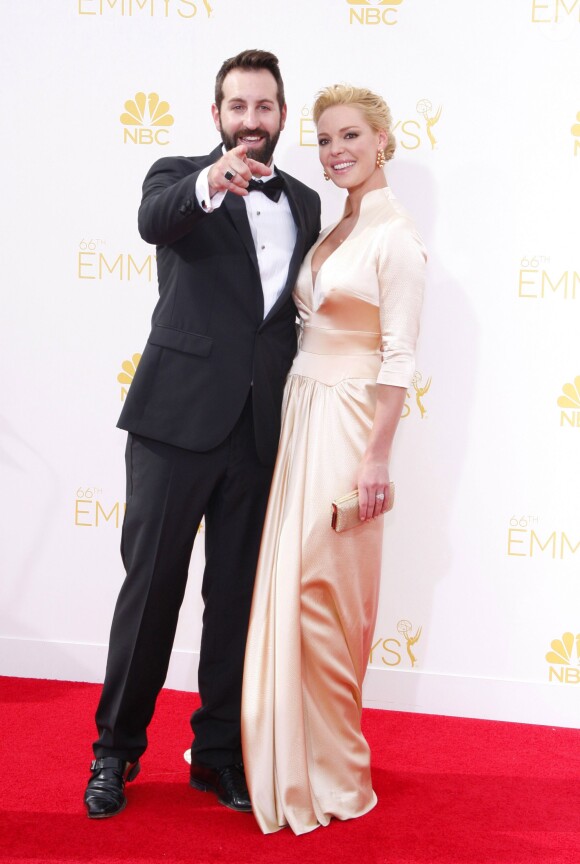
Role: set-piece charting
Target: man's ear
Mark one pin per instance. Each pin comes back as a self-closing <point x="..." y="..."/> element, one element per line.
<point x="283" y="113"/>
<point x="216" y="117"/>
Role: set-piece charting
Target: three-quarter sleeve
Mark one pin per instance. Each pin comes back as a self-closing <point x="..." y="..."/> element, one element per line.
<point x="401" y="276"/>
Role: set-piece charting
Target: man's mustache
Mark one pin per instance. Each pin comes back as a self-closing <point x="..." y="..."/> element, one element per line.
<point x="243" y="133"/>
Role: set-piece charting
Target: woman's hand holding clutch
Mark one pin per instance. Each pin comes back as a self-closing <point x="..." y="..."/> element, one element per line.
<point x="373" y="488"/>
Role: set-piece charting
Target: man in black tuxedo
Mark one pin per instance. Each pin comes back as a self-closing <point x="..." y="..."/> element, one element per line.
<point x="203" y="416"/>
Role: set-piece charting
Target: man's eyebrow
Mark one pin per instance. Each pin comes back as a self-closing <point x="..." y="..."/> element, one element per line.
<point x="241" y="99"/>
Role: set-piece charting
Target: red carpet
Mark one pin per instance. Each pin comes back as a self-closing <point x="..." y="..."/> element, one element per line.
<point x="450" y="790"/>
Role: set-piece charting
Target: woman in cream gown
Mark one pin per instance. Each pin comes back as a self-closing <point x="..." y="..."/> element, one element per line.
<point x="359" y="297"/>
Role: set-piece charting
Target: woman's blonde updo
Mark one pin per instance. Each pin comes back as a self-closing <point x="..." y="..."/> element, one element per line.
<point x="376" y="111"/>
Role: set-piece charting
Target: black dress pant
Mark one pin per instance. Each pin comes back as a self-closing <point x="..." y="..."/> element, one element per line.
<point x="168" y="491"/>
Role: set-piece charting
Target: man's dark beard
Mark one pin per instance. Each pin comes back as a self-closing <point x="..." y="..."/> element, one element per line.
<point x="268" y="143"/>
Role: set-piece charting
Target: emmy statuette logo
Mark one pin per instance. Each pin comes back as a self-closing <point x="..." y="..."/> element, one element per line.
<point x="425" y="108"/>
<point x="404" y="627"/>
<point x="421" y="389"/>
<point x="389" y="651"/>
<point x="412" y="133"/>
<point x="146" y="120"/>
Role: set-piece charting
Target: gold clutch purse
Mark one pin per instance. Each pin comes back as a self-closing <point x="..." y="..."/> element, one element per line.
<point x="345" y="510"/>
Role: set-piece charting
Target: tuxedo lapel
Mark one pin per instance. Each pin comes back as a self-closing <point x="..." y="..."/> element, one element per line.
<point x="236" y="208"/>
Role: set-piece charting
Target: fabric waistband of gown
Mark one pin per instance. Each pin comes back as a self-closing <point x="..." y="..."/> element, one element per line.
<point x="317" y="340"/>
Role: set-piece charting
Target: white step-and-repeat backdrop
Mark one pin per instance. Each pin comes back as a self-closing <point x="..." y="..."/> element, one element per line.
<point x="480" y="604"/>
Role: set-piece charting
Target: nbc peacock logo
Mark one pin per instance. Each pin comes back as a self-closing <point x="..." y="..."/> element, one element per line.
<point x="146" y="119"/>
<point x="575" y="130"/>
<point x="125" y="378"/>
<point x="373" y="12"/>
<point x="564" y="659"/>
<point x="569" y="402"/>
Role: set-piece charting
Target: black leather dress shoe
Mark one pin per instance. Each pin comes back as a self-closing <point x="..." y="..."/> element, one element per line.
<point x="228" y="783"/>
<point x="104" y="795"/>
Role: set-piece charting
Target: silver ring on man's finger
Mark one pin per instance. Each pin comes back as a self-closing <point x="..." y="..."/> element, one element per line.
<point x="380" y="496"/>
<point x="229" y="175"/>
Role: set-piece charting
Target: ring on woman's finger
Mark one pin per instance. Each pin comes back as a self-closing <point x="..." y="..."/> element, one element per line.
<point x="380" y="496"/>
<point x="229" y="175"/>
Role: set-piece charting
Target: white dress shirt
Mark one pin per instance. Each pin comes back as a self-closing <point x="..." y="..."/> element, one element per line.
<point x="273" y="232"/>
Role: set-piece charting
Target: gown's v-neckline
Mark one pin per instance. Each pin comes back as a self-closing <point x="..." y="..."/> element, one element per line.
<point x="314" y="279"/>
<point x="313" y="276"/>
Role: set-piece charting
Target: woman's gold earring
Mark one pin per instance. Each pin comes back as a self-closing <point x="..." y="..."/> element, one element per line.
<point x="326" y="176"/>
<point x="381" y="158"/>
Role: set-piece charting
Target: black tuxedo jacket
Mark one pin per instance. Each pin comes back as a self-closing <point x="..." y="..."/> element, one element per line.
<point x="209" y="341"/>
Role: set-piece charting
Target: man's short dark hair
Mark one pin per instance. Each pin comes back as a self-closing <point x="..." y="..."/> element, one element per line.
<point x="250" y="60"/>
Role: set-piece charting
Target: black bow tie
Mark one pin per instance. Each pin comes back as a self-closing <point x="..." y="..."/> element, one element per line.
<point x="273" y="188"/>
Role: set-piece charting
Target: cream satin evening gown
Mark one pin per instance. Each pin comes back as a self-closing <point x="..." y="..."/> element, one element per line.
<point x="316" y="591"/>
